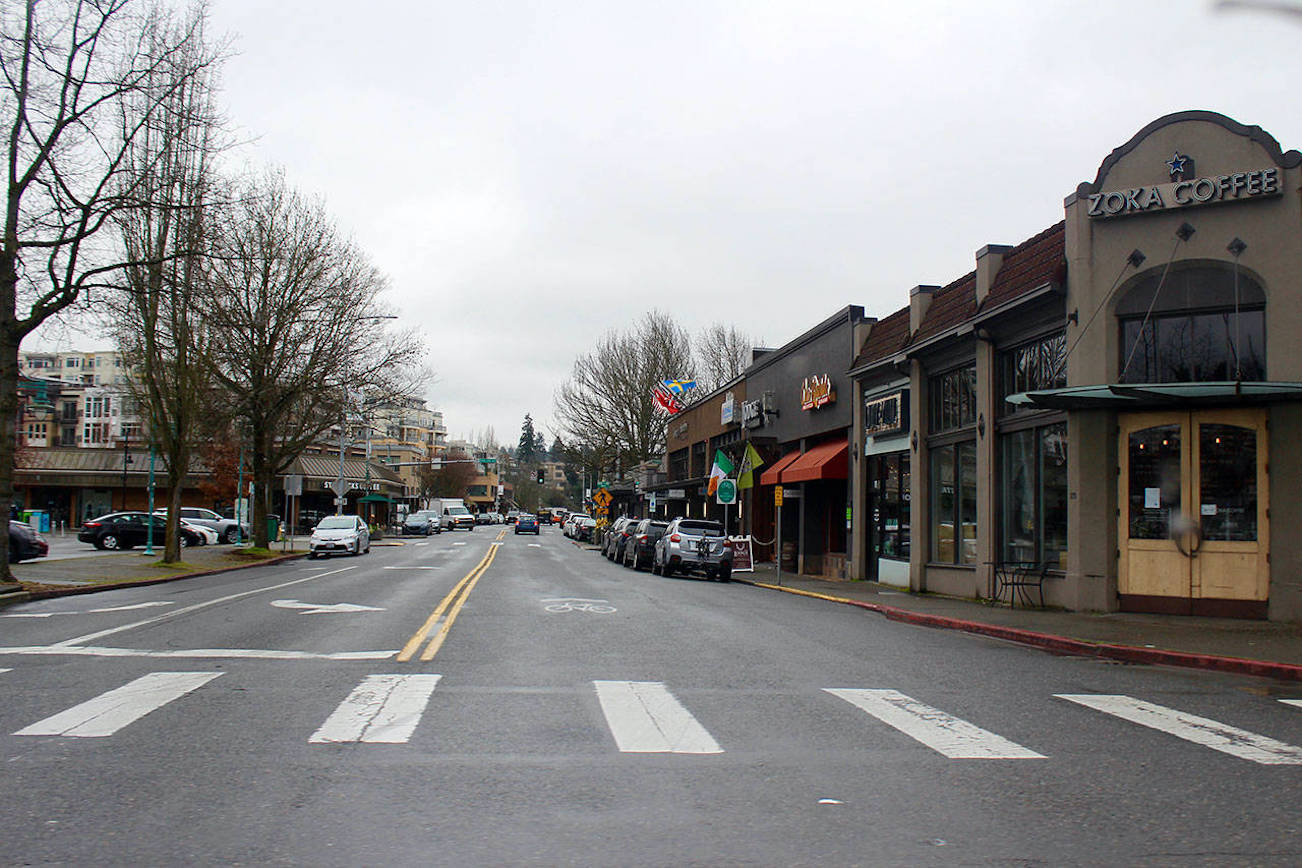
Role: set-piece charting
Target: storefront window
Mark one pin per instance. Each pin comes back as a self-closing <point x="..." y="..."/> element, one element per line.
<point x="1038" y="365"/>
<point x="953" y="504"/>
<point x="1227" y="462"/>
<point x="953" y="399"/>
<point x="1196" y="347"/>
<point x="1154" y="486"/>
<point x="890" y="506"/>
<point x="1034" y="498"/>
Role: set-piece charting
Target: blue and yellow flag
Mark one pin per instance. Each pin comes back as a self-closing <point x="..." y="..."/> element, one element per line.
<point x="679" y="386"/>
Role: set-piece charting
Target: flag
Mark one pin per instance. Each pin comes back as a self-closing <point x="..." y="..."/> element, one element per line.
<point x="664" y="400"/>
<point x="679" y="386"/>
<point x="722" y="467"/>
<point x="750" y="460"/>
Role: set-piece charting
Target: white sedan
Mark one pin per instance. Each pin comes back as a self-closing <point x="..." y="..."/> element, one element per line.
<point x="339" y="534"/>
<point x="206" y="534"/>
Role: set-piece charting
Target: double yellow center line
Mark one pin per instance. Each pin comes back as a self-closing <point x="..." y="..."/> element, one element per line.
<point x="455" y="599"/>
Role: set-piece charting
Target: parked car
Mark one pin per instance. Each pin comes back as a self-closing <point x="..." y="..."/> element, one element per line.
<point x="640" y="549"/>
<point x="693" y="545"/>
<point x="227" y="528"/>
<point x="339" y="534"/>
<point x="584" y="528"/>
<point x="207" y="536"/>
<point x="571" y="524"/>
<point x="124" y="530"/>
<point x="612" y="531"/>
<point x="526" y="523"/>
<point x="619" y="537"/>
<point x="25" y="543"/>
<point x="422" y="522"/>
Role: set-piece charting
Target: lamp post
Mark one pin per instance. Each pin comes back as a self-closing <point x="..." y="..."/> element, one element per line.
<point x="126" y="460"/>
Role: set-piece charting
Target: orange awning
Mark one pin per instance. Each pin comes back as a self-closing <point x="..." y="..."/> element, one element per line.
<point x="770" y="475"/>
<point x="824" y="461"/>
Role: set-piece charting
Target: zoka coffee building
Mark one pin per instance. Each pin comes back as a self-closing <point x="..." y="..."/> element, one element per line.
<point x="1118" y="398"/>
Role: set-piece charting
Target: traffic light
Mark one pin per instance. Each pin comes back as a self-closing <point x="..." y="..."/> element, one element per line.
<point x="540" y="476"/>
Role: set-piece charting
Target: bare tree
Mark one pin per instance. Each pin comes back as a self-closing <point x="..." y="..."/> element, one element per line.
<point x="450" y="478"/>
<point x="297" y="338"/>
<point x="156" y="317"/>
<point x="722" y="353"/>
<point x="606" y="405"/>
<point x="67" y="67"/>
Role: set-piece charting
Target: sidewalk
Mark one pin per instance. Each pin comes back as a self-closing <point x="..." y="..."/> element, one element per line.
<point x="1263" y="648"/>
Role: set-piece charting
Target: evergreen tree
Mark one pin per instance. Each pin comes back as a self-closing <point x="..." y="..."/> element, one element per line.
<point x="527" y="449"/>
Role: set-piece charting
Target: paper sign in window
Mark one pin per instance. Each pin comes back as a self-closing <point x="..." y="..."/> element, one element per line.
<point x="1152" y="498"/>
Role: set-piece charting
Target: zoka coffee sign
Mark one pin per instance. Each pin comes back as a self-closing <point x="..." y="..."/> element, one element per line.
<point x="1234" y="187"/>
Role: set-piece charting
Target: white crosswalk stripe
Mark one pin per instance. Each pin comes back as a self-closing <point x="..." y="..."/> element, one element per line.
<point x="644" y="717"/>
<point x="1190" y="727"/>
<point x="109" y="712"/>
<point x="1294" y="702"/>
<point x="383" y="709"/>
<point x="943" y="733"/>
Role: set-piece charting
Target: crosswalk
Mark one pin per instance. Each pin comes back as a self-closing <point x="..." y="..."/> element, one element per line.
<point x="645" y="717"/>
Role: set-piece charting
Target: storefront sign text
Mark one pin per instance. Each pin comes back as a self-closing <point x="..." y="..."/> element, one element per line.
<point x="1237" y="186"/>
<point x="727" y="410"/>
<point x="816" y="392"/>
<point x="884" y="415"/>
<point x="752" y="414"/>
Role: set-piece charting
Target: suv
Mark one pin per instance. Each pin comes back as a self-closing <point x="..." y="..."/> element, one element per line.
<point x="228" y="529"/>
<point x="693" y="545"/>
<point x="639" y="551"/>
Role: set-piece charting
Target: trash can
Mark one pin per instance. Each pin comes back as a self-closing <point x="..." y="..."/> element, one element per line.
<point x="38" y="519"/>
<point x="273" y="529"/>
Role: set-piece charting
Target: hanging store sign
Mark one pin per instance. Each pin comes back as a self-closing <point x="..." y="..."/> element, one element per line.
<point x="728" y="410"/>
<point x="816" y="391"/>
<point x="752" y="414"/>
<point x="1234" y="187"/>
<point x="888" y="415"/>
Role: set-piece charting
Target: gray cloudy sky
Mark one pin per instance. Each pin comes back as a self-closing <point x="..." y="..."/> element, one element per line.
<point x="530" y="175"/>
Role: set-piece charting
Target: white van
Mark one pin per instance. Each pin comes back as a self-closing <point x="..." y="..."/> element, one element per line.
<point x="452" y="513"/>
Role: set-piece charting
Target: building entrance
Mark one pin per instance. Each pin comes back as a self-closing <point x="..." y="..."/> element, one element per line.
<point x="1194" y="519"/>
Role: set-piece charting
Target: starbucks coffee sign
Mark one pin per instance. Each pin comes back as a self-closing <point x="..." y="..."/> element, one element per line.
<point x="1234" y="187"/>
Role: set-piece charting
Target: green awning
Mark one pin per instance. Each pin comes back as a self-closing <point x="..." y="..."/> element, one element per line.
<point x="374" y="498"/>
<point x="1138" y="396"/>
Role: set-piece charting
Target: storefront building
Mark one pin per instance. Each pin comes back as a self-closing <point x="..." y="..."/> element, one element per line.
<point x="712" y="421"/>
<point x="1115" y="400"/>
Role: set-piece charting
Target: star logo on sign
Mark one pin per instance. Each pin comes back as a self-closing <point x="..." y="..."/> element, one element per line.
<point x="1176" y="163"/>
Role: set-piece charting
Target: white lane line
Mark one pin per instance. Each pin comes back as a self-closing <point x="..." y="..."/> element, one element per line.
<point x="383" y="709"/>
<point x="90" y="611"/>
<point x="943" y="733"/>
<point x="89" y="637"/>
<point x="1190" y="727"/>
<point x="2" y="671"/>
<point x="644" y="717"/>
<point x="194" y="653"/>
<point x="109" y="712"/>
<point x="1295" y="702"/>
<point x="420" y="544"/>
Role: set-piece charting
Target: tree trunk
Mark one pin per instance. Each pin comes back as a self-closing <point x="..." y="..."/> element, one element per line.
<point x="9" y="425"/>
<point x="175" y="480"/>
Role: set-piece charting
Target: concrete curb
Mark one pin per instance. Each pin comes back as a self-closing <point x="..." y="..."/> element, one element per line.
<point x="94" y="589"/>
<point x="1063" y="644"/>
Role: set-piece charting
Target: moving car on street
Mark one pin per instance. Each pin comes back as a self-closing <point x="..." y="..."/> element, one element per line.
<point x="526" y="523"/>
<point x="422" y="522"/>
<point x="339" y="535"/>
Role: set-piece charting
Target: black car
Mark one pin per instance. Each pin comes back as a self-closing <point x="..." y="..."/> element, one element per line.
<point x="25" y="543"/>
<point x="423" y="522"/>
<point x="640" y="549"/>
<point x="123" y="530"/>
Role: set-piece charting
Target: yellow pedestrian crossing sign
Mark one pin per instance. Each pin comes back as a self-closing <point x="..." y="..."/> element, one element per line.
<point x="602" y="498"/>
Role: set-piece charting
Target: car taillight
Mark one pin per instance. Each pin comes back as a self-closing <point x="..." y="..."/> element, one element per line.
<point x="642" y="538"/>
<point x="675" y="538"/>
<point x="91" y="524"/>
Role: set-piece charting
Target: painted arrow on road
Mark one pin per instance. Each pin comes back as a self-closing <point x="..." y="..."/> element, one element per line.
<point x="323" y="608"/>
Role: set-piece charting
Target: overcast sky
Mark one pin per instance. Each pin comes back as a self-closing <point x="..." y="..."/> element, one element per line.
<point x="530" y="175"/>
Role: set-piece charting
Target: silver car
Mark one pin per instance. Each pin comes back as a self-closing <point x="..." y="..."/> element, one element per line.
<point x="339" y="534"/>
<point x="693" y="545"/>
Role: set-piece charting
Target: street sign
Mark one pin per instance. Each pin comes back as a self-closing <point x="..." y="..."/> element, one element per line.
<point x="726" y="492"/>
<point x="777" y="496"/>
<point x="294" y="485"/>
<point x="339" y="487"/>
<point x="602" y="498"/>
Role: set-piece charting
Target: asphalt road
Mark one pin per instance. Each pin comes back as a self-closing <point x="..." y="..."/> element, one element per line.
<point x="576" y="712"/>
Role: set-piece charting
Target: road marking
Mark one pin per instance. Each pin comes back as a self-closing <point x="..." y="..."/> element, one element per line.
<point x="535" y="545"/>
<point x="192" y="654"/>
<point x="2" y="671"/>
<point x="90" y="611"/>
<point x="109" y="712"/>
<point x="383" y="709"/>
<point x="943" y="733"/>
<point x="1190" y="727"/>
<point x="458" y="544"/>
<point x="89" y="637"/>
<point x="456" y="598"/>
<point x="1295" y="702"/>
<point x="323" y="608"/>
<point x="413" y="568"/>
<point x="420" y="544"/>
<point x="644" y="717"/>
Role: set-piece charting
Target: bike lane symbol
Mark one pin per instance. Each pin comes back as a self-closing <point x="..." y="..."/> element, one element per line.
<point x="575" y="604"/>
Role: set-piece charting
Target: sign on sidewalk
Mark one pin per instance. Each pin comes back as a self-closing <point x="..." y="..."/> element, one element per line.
<point x="743" y="557"/>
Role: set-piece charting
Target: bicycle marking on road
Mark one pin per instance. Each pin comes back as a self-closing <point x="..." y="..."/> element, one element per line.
<point x="90" y="637"/>
<point x="943" y="733"/>
<point x="1190" y="727"/>
<point x="575" y="604"/>
<point x="383" y="709"/>
<point x="109" y="712"/>
<point x="644" y="717"/>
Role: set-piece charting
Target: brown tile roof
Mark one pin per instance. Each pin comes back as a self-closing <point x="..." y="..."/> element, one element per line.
<point x="888" y="336"/>
<point x="1032" y="263"/>
<point x="950" y="307"/>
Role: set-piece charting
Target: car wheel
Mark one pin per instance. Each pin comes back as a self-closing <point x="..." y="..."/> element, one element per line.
<point x="184" y="541"/>
<point x="666" y="569"/>
<point x="311" y="556"/>
<point x="725" y="573"/>
<point x="231" y="535"/>
<point x="109" y="541"/>
<point x="368" y="548"/>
